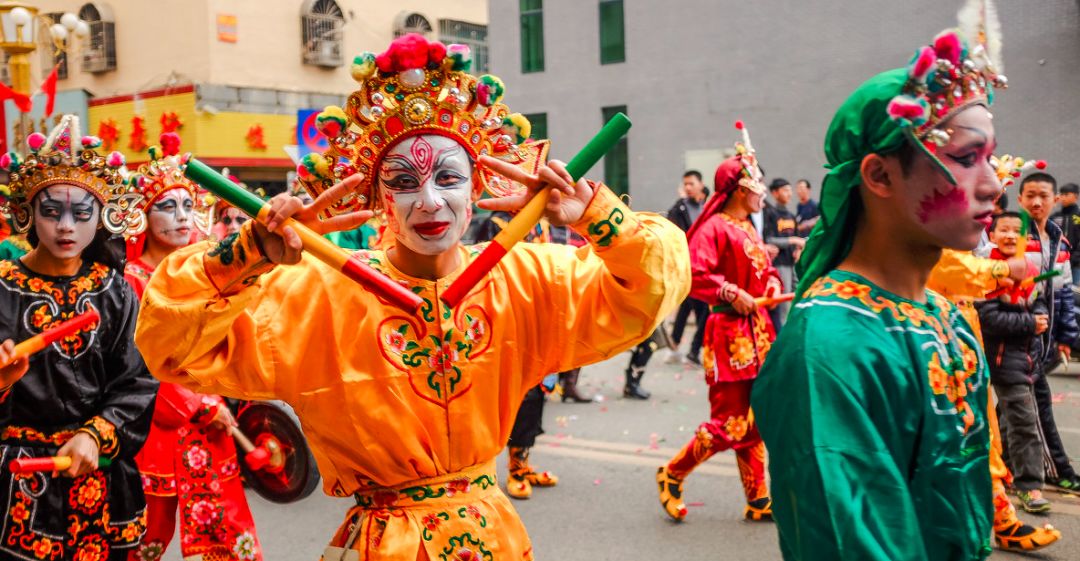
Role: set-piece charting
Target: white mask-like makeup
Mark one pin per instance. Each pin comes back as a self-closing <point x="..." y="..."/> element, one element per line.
<point x="426" y="185"/>
<point x="231" y="220"/>
<point x="66" y="218"/>
<point x="171" y="217"/>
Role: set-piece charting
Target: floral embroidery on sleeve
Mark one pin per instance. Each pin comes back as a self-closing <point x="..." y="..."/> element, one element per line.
<point x="104" y="433"/>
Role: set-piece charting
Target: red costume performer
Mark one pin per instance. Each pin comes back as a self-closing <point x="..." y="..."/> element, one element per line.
<point x="730" y="267"/>
<point x="189" y="462"/>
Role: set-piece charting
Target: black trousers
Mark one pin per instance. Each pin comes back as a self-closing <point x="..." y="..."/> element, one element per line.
<point x="641" y="354"/>
<point x="1058" y="466"/>
<point x="1019" y="418"/>
<point x="528" y="421"/>
<point x="701" y="314"/>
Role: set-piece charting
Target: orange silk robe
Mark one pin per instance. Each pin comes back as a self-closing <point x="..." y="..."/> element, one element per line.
<point x="408" y="413"/>
<point x="963" y="278"/>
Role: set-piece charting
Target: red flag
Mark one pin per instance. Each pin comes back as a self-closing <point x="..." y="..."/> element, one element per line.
<point x="22" y="101"/>
<point x="48" y="87"/>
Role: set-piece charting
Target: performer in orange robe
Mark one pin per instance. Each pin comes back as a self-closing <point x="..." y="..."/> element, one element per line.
<point x="406" y="413"/>
<point x="189" y="463"/>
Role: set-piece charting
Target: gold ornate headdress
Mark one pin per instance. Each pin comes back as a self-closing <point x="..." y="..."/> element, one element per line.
<point x="959" y="69"/>
<point x="64" y="157"/>
<point x="416" y="87"/>
<point x="161" y="174"/>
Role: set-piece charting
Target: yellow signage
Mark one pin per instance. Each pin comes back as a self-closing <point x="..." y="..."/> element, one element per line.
<point x="226" y="28"/>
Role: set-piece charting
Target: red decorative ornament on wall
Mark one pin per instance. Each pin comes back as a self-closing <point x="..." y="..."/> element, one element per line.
<point x="109" y="133"/>
<point x="170" y="122"/>
<point x="137" y="139"/>
<point x="255" y="139"/>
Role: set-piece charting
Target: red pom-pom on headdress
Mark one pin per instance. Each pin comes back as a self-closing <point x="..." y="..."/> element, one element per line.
<point x="170" y="143"/>
<point x="739" y="125"/>
<point x="948" y="46"/>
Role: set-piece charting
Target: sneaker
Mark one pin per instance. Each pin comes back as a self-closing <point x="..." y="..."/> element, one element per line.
<point x="673" y="357"/>
<point x="1070" y="484"/>
<point x="1033" y="501"/>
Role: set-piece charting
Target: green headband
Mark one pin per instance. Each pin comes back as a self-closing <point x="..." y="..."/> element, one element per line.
<point x="862" y="126"/>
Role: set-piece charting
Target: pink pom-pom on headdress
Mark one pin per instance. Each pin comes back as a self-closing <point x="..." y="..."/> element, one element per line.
<point x="115" y="159"/>
<point x="947" y="46"/>
<point x="908" y="110"/>
<point x="923" y="64"/>
<point x="35" y="141"/>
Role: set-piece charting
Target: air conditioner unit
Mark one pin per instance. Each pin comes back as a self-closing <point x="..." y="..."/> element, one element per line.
<point x="94" y="60"/>
<point x="325" y="53"/>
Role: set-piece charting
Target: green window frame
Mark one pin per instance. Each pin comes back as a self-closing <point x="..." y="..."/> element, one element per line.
<point x="617" y="161"/>
<point x="532" y="36"/>
<point x="612" y="32"/>
<point x="539" y="125"/>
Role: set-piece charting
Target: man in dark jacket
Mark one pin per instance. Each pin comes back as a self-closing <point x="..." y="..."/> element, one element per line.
<point x="780" y="232"/>
<point x="1068" y="219"/>
<point x="1048" y="249"/>
<point x="685" y="211"/>
<point x="1011" y="326"/>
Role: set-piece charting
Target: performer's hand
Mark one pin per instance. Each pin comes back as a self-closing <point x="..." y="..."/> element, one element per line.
<point x="1018" y="267"/>
<point x="566" y="204"/>
<point x="223" y="418"/>
<point x="1065" y="351"/>
<point x="772" y="250"/>
<point x="11" y="373"/>
<point x="281" y="244"/>
<point x="83" y="451"/>
<point x="743" y="303"/>
<point x="797" y="242"/>
<point x="1042" y="323"/>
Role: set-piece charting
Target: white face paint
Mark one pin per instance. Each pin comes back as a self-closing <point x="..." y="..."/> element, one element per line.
<point x="171" y="217"/>
<point x="426" y="185"/>
<point x="66" y="218"/>
<point x="232" y="219"/>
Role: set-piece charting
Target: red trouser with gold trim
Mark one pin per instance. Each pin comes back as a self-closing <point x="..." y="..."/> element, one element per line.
<point x="730" y="427"/>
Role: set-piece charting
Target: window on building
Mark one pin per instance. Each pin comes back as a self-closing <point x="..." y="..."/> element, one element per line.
<point x="617" y="161"/>
<point x="5" y="75"/>
<point x="322" y="22"/>
<point x="50" y="55"/>
<point x="409" y="22"/>
<point x="539" y="125"/>
<point x="532" y="36"/>
<point x="99" y="52"/>
<point x="612" y="32"/>
<point x="472" y="34"/>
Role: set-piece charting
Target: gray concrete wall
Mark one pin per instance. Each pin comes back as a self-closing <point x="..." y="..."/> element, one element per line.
<point x="695" y="66"/>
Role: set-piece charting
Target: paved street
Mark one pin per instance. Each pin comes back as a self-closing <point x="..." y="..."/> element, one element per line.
<point x="605" y="506"/>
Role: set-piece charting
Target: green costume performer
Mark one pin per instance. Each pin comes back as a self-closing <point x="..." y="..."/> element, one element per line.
<point x="878" y="440"/>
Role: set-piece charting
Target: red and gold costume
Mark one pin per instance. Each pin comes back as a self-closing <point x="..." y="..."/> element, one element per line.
<point x="186" y="465"/>
<point x="727" y="255"/>
<point x="406" y="413"/>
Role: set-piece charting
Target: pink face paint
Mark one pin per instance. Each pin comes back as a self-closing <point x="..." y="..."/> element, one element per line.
<point x="936" y="205"/>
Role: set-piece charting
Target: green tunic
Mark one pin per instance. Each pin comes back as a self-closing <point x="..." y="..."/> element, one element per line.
<point x="873" y="410"/>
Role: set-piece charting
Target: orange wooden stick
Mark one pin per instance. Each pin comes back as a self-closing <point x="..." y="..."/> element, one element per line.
<point x="772" y="301"/>
<point x="51" y="463"/>
<point x="50" y="336"/>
